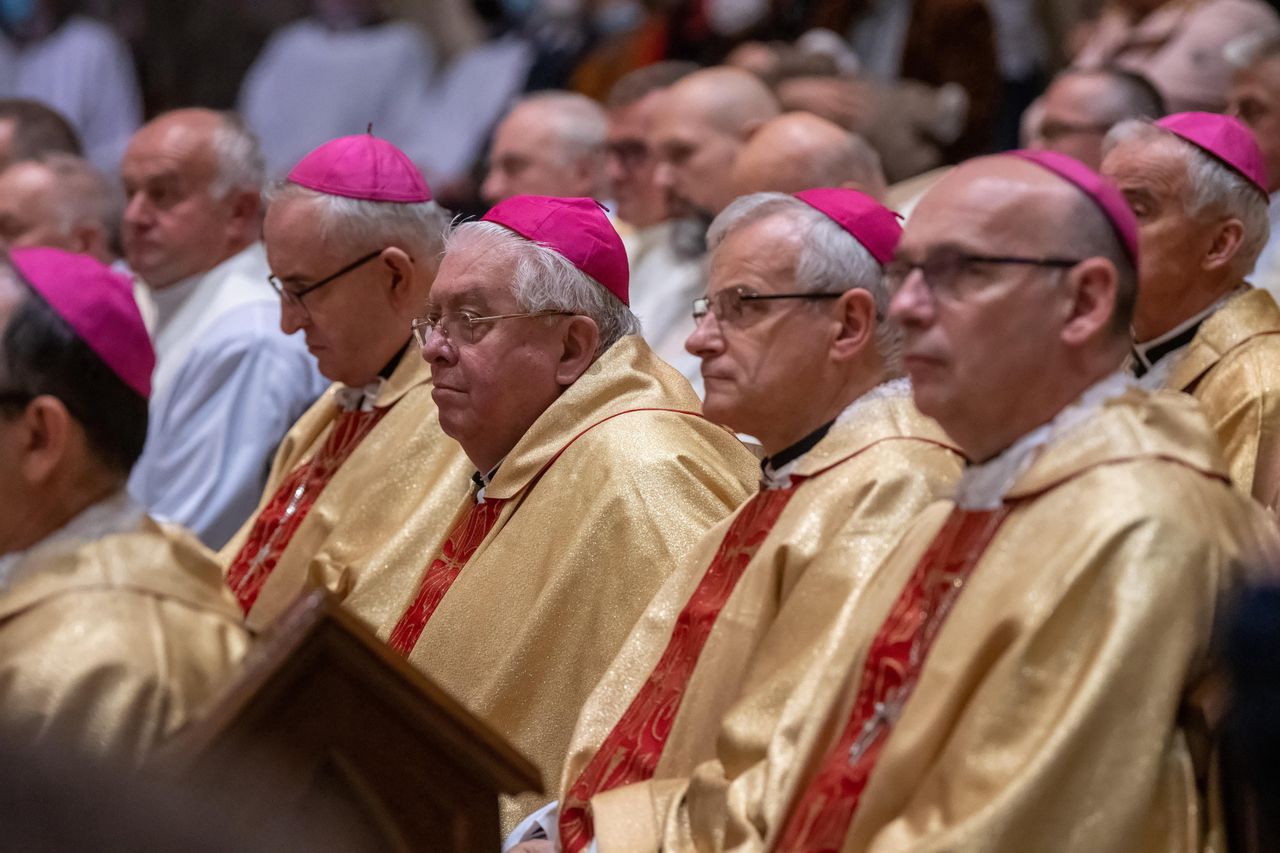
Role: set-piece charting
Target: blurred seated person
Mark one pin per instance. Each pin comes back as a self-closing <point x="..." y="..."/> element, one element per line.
<point x="549" y="144"/>
<point x="113" y="630"/>
<point x="1079" y="107"/>
<point x="62" y="201"/>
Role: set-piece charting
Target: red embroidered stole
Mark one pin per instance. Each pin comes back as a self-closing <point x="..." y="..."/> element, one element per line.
<point x="279" y="520"/>
<point x="821" y="817"/>
<point x="462" y="542"/>
<point x="631" y="751"/>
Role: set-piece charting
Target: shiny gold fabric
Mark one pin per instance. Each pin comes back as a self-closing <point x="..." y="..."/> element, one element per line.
<point x="531" y="623"/>
<point x="889" y="463"/>
<point x="109" y="646"/>
<point x="1232" y="367"/>
<point x="405" y="466"/>
<point x="1045" y="717"/>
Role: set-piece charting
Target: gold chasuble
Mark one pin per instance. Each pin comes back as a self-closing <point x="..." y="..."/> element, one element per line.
<point x="345" y="481"/>
<point x="770" y="578"/>
<point x="1012" y="676"/>
<point x="520" y="612"/>
<point x="1232" y="367"/>
<point x="111" y="641"/>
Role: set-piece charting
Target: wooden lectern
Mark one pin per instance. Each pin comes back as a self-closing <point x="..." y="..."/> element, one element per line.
<point x="346" y="730"/>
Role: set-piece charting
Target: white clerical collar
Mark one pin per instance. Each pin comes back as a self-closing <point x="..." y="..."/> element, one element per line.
<point x="984" y="485"/>
<point x="359" y="398"/>
<point x="115" y="514"/>
<point x="780" y="478"/>
<point x="1153" y="360"/>
<point x="480" y="482"/>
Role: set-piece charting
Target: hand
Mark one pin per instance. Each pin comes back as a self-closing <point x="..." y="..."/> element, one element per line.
<point x="850" y="103"/>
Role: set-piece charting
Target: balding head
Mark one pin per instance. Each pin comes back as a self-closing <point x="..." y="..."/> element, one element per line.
<point x="995" y="349"/>
<point x="192" y="181"/>
<point x="704" y="121"/>
<point x="551" y="143"/>
<point x="1079" y="107"/>
<point x="60" y="200"/>
<point x="29" y="129"/>
<point x="801" y="151"/>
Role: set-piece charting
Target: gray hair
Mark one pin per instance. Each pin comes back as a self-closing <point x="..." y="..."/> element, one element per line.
<point x="1213" y="189"/>
<point x="544" y="280"/>
<point x="830" y="259"/>
<point x="580" y="122"/>
<point x="239" y="158"/>
<point x="81" y="193"/>
<point x="362" y="225"/>
<point x="854" y="161"/>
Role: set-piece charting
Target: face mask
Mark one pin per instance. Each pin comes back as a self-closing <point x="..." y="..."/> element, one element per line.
<point x="15" y="13"/>
<point x="618" y="16"/>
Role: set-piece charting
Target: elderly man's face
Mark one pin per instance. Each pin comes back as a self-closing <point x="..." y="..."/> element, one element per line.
<point x="630" y="164"/>
<point x="28" y="213"/>
<point x="976" y="343"/>
<point x="491" y="388"/>
<point x="528" y="157"/>
<point x="1071" y="123"/>
<point x="352" y="328"/>
<point x="174" y="227"/>
<point x="695" y="160"/>
<point x="760" y="360"/>
<point x="1255" y="100"/>
<point x="1172" y="246"/>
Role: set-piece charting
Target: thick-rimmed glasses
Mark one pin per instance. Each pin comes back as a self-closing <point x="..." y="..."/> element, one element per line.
<point x="294" y="297"/>
<point x="463" y="327"/>
<point x="729" y="305"/>
<point x="943" y="272"/>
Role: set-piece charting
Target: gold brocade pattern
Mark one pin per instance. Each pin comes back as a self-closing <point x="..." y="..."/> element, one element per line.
<point x="529" y="626"/>
<point x="406" y="466"/>
<point x="109" y="646"/>
<point x="1044" y="717"/>
<point x="1232" y="367"/>
<point x="867" y="479"/>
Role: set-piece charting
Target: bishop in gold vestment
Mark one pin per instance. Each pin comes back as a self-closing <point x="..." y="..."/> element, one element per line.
<point x="1047" y="691"/>
<point x="760" y="590"/>
<point x="1232" y="366"/>
<point x="522" y="609"/>
<point x="344" y="484"/>
<point x="113" y="634"/>
<point x="351" y="275"/>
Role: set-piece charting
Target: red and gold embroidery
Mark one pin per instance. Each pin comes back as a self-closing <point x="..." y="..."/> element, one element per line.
<point x="631" y="751"/>
<point x="279" y="520"/>
<point x="821" y="818"/>
<point x="459" y="546"/>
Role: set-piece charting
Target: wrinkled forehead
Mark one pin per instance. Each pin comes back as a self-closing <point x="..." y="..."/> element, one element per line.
<point x="476" y="272"/>
<point x="992" y="205"/>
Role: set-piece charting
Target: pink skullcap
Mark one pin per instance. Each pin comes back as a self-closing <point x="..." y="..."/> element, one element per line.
<point x="872" y="224"/>
<point x="1224" y="138"/>
<point x="362" y="167"/>
<point x="98" y="305"/>
<point x="576" y="228"/>
<point x="1100" y="191"/>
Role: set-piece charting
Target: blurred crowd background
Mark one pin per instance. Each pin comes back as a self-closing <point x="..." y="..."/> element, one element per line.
<point x="926" y="82"/>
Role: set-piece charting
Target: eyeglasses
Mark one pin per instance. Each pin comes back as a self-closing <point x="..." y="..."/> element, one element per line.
<point x="463" y="327"/>
<point x="294" y="297"/>
<point x="943" y="272"/>
<point x="729" y="305"/>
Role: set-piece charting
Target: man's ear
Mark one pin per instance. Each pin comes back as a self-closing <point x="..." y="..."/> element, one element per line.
<point x="1092" y="288"/>
<point x="89" y="238"/>
<point x="1228" y="235"/>
<point x="580" y="339"/>
<point x="856" y="314"/>
<point x="401" y="277"/>
<point x="246" y="211"/>
<point x="47" y="431"/>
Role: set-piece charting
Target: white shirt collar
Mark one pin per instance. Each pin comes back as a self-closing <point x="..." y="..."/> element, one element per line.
<point x="359" y="398"/>
<point x="114" y="514"/>
<point x="984" y="485"/>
